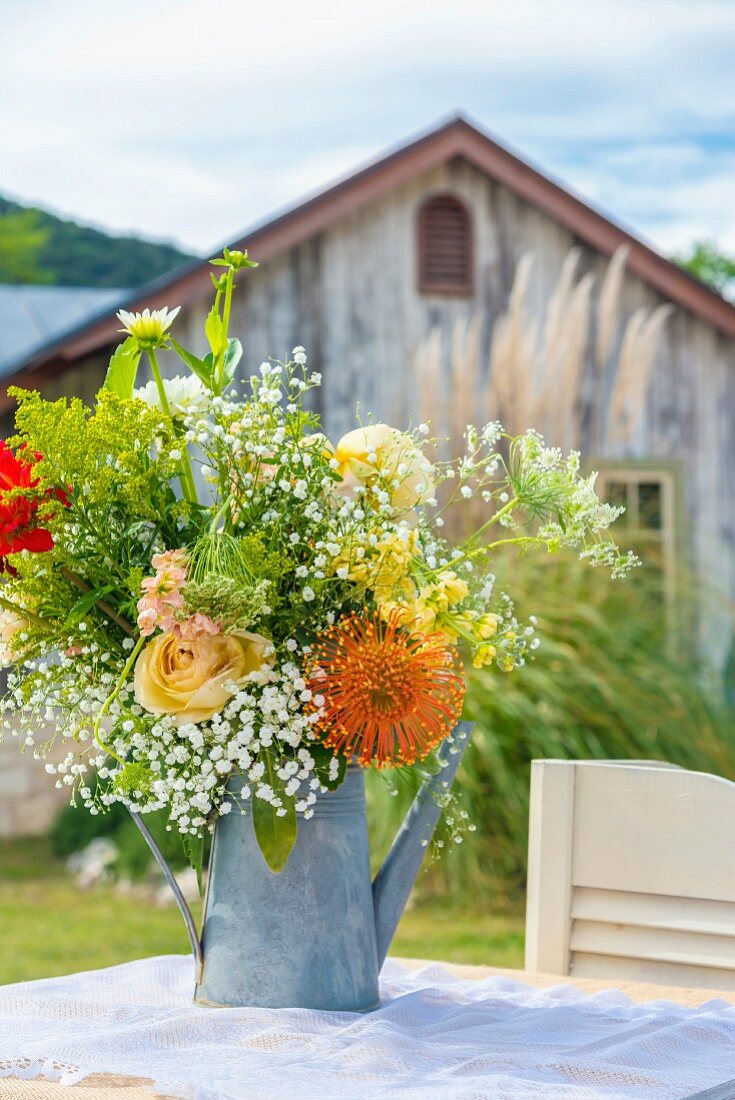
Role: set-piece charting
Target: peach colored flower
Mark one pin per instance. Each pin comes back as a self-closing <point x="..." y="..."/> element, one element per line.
<point x="162" y="592"/>
<point x="196" y="626"/>
<point x="171" y="559"/>
<point x="147" y="620"/>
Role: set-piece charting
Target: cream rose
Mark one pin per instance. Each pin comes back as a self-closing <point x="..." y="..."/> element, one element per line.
<point x="380" y="449"/>
<point x="11" y="623"/>
<point x="188" y="678"/>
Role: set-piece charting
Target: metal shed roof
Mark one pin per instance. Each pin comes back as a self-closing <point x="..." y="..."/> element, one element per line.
<point x="31" y="316"/>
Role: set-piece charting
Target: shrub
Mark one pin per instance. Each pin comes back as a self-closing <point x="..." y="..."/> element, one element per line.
<point x="74" y="828"/>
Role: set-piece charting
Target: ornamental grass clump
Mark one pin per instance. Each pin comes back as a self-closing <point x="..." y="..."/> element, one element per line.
<point x="214" y="606"/>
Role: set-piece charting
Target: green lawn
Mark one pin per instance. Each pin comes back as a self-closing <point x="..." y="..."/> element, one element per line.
<point x="50" y="927"/>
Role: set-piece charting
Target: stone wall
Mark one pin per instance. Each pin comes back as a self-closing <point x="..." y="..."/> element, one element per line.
<point x="28" y="799"/>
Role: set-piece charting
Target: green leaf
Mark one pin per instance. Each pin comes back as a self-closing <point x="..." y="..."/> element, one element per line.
<point x="233" y="355"/>
<point x="276" y="835"/>
<point x="215" y="332"/>
<point x="120" y="377"/>
<point x="200" y="367"/>
<point x="86" y="602"/>
<point x="194" y="852"/>
<point x="322" y="761"/>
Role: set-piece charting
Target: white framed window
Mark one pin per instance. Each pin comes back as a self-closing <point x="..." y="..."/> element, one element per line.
<point x="649" y="525"/>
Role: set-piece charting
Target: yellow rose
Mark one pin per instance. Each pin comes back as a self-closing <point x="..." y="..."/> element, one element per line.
<point x="188" y="679"/>
<point x="381" y="450"/>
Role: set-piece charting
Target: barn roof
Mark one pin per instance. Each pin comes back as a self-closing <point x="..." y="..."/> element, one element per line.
<point x="32" y="317"/>
<point x="455" y="138"/>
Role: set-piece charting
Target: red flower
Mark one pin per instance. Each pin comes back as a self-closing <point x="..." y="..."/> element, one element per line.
<point x="18" y="527"/>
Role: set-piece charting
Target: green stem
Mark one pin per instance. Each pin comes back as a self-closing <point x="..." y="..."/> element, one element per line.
<point x="159" y="383"/>
<point x="228" y="302"/>
<point x="518" y="541"/>
<point x="21" y="612"/>
<point x="219" y="369"/>
<point x="515" y="542"/>
<point x="186" y="477"/>
<point x="111" y="699"/>
<point x="498" y="515"/>
<point x="221" y="511"/>
<point x="490" y="523"/>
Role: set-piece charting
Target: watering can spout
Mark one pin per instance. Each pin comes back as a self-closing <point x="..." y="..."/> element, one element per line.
<point x="393" y="883"/>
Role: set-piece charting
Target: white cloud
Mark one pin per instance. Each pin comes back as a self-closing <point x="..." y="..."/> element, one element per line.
<point x="189" y="120"/>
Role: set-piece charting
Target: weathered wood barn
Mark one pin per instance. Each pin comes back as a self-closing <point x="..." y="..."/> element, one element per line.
<point x="452" y="279"/>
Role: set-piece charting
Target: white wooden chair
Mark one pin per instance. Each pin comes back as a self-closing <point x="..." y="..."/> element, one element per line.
<point x="631" y="873"/>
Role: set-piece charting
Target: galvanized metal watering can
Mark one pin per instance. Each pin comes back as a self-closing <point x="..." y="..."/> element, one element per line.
<point x="315" y="935"/>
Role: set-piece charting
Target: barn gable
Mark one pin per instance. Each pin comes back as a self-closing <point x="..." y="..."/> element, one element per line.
<point x="455" y="139"/>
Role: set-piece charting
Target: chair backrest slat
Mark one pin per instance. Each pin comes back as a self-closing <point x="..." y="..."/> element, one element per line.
<point x="631" y="873"/>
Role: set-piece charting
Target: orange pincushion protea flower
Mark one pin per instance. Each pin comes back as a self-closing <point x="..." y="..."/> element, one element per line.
<point x="389" y="696"/>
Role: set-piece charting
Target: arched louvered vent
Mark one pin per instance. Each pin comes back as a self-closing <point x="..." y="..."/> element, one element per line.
<point x="445" y="247"/>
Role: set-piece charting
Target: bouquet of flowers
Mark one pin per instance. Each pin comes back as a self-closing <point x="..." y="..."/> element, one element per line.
<point x="209" y="603"/>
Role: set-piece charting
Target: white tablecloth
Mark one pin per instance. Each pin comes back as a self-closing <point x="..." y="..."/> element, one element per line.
<point x="435" y="1036"/>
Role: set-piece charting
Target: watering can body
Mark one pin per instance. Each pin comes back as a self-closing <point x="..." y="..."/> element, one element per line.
<point x="306" y="936"/>
<point x="316" y="934"/>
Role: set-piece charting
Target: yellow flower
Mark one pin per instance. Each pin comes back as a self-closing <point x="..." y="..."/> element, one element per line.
<point x="446" y="591"/>
<point x="403" y="612"/>
<point x="424" y="617"/>
<point x="414" y="614"/>
<point x="189" y="679"/>
<point x="426" y="611"/>
<point x="381" y="451"/>
<point x="149" y="328"/>
<point x="455" y="589"/>
<point x="385" y="568"/>
<point x="485" y="626"/>
<point x="484" y="655"/>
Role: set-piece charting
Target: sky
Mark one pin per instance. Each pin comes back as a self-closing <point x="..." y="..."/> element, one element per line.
<point x="190" y="121"/>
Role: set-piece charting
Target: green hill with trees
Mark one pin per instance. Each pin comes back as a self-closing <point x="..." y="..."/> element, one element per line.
<point x="38" y="247"/>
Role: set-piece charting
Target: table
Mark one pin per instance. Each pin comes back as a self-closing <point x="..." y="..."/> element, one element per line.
<point x="116" y="1087"/>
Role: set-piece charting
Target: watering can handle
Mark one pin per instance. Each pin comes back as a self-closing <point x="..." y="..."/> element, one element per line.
<point x="191" y="928"/>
